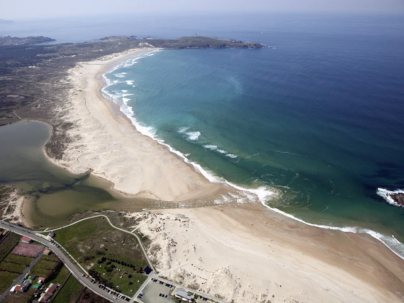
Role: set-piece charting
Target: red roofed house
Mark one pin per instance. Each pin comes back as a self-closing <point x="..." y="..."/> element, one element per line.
<point x="41" y="280"/>
<point x="26" y="240"/>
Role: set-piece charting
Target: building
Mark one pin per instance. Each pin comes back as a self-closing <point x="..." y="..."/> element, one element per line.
<point x="147" y="270"/>
<point x="51" y="234"/>
<point x="18" y="288"/>
<point x="183" y="295"/>
<point x="41" y="280"/>
<point x="26" y="240"/>
<point x="47" y="252"/>
<point x="44" y="298"/>
<point x="52" y="288"/>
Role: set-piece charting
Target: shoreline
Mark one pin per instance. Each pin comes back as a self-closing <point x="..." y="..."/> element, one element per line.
<point x="92" y="114"/>
<point x="222" y="249"/>
<point x="88" y="84"/>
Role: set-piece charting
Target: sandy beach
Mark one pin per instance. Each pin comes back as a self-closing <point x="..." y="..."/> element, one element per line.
<point x="244" y="253"/>
<point x="104" y="140"/>
<point x="241" y="252"/>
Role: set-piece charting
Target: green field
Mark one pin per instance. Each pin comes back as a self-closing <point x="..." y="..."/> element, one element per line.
<point x="8" y="244"/>
<point x="91" y="240"/>
<point x="14" y="263"/>
<point x="6" y="278"/>
<point x="70" y="292"/>
<point x="45" y="266"/>
<point x="123" y="278"/>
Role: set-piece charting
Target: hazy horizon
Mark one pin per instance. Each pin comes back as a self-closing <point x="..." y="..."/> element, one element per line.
<point x="47" y="9"/>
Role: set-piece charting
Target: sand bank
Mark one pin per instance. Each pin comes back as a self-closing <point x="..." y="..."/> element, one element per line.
<point x="105" y="141"/>
<point x="244" y="253"/>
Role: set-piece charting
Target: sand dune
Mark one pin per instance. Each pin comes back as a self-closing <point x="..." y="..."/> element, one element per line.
<point x="244" y="253"/>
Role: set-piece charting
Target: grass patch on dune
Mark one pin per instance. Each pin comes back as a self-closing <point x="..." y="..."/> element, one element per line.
<point x="111" y="255"/>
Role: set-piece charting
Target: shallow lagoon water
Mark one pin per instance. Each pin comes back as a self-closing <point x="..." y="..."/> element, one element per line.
<point x="59" y="193"/>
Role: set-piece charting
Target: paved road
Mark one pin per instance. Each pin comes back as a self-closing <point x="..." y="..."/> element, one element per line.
<point x="57" y="251"/>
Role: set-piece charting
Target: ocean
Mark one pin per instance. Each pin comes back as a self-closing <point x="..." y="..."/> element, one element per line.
<point x="316" y="116"/>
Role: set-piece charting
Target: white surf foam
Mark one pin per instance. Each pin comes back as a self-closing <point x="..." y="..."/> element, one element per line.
<point x="120" y="75"/>
<point x="233" y="156"/>
<point x="211" y="147"/>
<point x="193" y="135"/>
<point x="183" y="129"/>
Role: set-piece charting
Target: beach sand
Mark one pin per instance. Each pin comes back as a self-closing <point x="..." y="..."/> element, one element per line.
<point x="240" y="252"/>
<point x="245" y="253"/>
<point x="105" y="141"/>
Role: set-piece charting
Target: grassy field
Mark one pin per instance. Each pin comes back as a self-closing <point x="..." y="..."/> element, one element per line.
<point x="70" y="292"/>
<point x="8" y="244"/>
<point x="91" y="240"/>
<point x="45" y="266"/>
<point x="123" y="278"/>
<point x="6" y="278"/>
<point x="14" y="263"/>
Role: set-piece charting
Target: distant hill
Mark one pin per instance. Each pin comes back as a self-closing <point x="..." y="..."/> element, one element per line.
<point x="24" y="41"/>
<point x="2" y="21"/>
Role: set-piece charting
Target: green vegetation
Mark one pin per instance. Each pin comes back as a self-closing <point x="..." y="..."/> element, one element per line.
<point x="200" y="42"/>
<point x="8" y="244"/>
<point x="89" y="297"/>
<point x="115" y="257"/>
<point x="46" y="266"/>
<point x="14" y="263"/>
<point x="69" y="292"/>
<point x="6" y="278"/>
<point x="60" y="276"/>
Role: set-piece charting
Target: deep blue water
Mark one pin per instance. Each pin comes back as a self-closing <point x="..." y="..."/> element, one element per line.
<point x="317" y="116"/>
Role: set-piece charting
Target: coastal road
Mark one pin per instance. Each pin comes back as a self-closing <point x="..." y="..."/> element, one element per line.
<point x="70" y="266"/>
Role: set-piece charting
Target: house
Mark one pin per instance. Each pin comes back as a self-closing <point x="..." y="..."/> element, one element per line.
<point x="44" y="298"/>
<point x="47" y="252"/>
<point x="51" y="289"/>
<point x="51" y="234"/>
<point x="36" y="286"/>
<point x="18" y="288"/>
<point x="26" y="240"/>
<point x="41" y="280"/>
<point x="183" y="295"/>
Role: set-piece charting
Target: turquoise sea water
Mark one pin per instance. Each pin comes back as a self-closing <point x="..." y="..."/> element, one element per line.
<point x="316" y="116"/>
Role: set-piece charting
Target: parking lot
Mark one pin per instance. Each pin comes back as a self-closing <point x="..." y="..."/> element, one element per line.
<point x="153" y="290"/>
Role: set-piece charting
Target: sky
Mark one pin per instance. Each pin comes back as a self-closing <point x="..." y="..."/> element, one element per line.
<point x="30" y="9"/>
